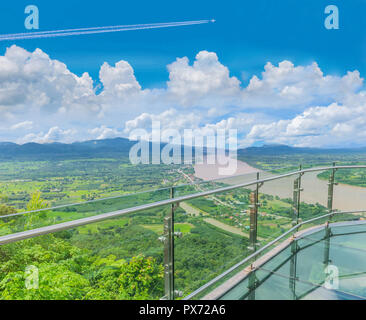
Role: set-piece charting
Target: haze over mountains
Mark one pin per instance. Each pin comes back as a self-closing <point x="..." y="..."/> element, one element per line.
<point x="120" y="147"/>
<point x="93" y="148"/>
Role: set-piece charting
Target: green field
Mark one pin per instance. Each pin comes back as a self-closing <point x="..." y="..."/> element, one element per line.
<point x="71" y="181"/>
<point x="158" y="228"/>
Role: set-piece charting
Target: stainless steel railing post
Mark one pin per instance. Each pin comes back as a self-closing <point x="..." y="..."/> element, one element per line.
<point x="254" y="205"/>
<point x="293" y="269"/>
<point x="297" y="196"/>
<point x="168" y="240"/>
<point x="331" y="184"/>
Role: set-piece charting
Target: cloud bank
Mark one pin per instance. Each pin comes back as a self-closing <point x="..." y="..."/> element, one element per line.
<point x="41" y="100"/>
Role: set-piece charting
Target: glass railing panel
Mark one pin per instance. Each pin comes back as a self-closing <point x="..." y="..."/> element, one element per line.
<point x="276" y="212"/>
<point x="120" y="258"/>
<point x="230" y="211"/>
<point x="279" y="287"/>
<point x="298" y="271"/>
<point x="215" y="240"/>
<point x="307" y="258"/>
<point x="356" y="224"/>
<point x="310" y="207"/>
<point x="225" y="284"/>
<point x="313" y="196"/>
<point x="202" y="185"/>
<point x="271" y="286"/>
<point x="350" y="191"/>
<point x="41" y="218"/>
<point x="69" y="181"/>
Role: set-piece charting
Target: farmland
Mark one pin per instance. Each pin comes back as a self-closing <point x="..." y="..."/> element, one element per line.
<point x="71" y="181"/>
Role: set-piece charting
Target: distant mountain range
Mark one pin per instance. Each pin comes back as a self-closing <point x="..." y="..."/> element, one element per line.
<point x="92" y="148"/>
<point x="120" y="147"/>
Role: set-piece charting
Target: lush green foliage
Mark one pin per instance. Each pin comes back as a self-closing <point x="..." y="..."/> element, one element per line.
<point x="68" y="272"/>
<point x="354" y="177"/>
<point x="116" y="259"/>
<point x="5" y="210"/>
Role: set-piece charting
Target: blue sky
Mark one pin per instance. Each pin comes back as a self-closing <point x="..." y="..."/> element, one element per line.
<point x="246" y="36"/>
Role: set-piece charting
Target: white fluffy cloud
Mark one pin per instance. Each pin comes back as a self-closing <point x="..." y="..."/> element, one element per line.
<point x="54" y="134"/>
<point x="119" y="81"/>
<point x="169" y="119"/>
<point x="332" y="125"/>
<point x="206" y="80"/>
<point x="41" y="94"/>
<point x="201" y="123"/>
<point x="103" y="132"/>
<point x="33" y="80"/>
<point x="295" y="87"/>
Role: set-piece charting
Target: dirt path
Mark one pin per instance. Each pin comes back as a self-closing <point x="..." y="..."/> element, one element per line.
<point x="194" y="211"/>
<point x="191" y="210"/>
<point x="228" y="228"/>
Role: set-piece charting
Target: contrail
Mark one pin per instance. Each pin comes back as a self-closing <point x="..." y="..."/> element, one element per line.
<point x="95" y="30"/>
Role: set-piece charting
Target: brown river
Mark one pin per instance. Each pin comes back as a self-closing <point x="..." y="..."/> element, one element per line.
<point x="346" y="197"/>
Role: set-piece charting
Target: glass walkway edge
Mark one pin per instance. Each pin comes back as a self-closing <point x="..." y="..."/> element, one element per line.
<point x="326" y="262"/>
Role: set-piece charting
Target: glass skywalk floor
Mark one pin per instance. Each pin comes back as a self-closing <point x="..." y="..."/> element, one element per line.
<point x="321" y="264"/>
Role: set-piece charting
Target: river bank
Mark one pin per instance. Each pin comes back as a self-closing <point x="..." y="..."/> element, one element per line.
<point x="346" y="197"/>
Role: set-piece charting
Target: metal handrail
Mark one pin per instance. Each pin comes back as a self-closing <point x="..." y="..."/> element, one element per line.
<point x="194" y="183"/>
<point x="259" y="251"/>
<point x="61" y="206"/>
<point x="104" y="216"/>
<point x="183" y="185"/>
